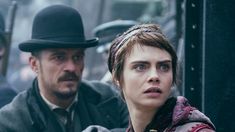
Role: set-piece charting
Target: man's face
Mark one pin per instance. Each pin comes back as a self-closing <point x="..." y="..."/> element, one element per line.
<point x="59" y="72"/>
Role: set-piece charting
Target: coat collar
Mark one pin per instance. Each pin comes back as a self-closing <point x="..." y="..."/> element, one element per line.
<point x="38" y="109"/>
<point x="95" y="106"/>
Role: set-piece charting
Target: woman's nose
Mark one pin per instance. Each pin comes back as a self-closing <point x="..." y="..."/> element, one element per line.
<point x="153" y="76"/>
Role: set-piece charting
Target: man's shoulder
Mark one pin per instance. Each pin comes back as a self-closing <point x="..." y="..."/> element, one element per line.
<point x="16" y="104"/>
<point x="104" y="103"/>
<point x="15" y="111"/>
<point x="7" y="90"/>
<point x="98" y="89"/>
<point x="6" y="95"/>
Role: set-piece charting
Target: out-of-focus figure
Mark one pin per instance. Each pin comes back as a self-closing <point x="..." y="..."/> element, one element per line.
<point x="106" y="33"/>
<point x="22" y="78"/>
<point x="6" y="91"/>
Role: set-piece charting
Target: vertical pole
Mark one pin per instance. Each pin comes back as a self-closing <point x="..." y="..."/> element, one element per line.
<point x="193" y="47"/>
<point x="8" y="35"/>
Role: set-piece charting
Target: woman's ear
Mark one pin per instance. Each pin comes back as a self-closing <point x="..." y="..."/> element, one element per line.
<point x="116" y="82"/>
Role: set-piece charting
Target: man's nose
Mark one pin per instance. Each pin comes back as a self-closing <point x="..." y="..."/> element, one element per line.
<point x="70" y="66"/>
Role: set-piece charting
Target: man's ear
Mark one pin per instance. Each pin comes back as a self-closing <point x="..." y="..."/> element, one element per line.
<point x="33" y="62"/>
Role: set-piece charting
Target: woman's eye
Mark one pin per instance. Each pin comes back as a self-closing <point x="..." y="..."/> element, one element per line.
<point x="140" y="67"/>
<point x="164" y="67"/>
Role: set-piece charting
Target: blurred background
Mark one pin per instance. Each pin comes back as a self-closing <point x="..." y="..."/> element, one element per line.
<point x="202" y="32"/>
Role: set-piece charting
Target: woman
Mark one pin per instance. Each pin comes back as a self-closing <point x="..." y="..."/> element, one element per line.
<point x="143" y="65"/>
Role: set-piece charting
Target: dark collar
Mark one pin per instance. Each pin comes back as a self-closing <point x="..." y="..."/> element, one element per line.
<point x="38" y="109"/>
<point x="162" y="119"/>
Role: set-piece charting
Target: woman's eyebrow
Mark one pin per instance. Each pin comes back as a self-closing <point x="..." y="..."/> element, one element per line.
<point x="146" y="62"/>
<point x="164" y="61"/>
<point x="139" y="61"/>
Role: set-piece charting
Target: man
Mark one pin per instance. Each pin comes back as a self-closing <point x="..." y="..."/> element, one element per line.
<point x="59" y="100"/>
<point x="6" y="92"/>
<point x="106" y="33"/>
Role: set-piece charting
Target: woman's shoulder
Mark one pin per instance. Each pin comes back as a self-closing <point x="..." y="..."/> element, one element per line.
<point x="194" y="127"/>
<point x="190" y="119"/>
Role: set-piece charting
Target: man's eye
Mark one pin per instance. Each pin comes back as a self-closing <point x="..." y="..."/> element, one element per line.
<point x="77" y="58"/>
<point x="59" y="57"/>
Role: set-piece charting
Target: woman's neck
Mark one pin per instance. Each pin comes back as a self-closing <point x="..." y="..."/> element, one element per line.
<point x="140" y="118"/>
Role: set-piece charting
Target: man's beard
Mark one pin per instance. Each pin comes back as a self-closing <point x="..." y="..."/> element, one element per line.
<point x="67" y="95"/>
<point x="69" y="76"/>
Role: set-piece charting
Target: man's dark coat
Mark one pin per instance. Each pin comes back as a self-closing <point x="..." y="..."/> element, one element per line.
<point x="97" y="104"/>
<point x="7" y="93"/>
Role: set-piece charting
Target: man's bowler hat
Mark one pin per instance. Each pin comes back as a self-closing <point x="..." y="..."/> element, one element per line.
<point x="57" y="26"/>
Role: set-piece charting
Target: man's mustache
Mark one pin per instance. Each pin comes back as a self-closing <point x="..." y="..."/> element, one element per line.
<point x="69" y="76"/>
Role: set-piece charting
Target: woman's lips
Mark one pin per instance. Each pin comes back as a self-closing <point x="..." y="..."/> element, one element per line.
<point x="153" y="92"/>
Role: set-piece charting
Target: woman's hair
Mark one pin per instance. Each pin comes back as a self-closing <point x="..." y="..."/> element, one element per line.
<point x="143" y="34"/>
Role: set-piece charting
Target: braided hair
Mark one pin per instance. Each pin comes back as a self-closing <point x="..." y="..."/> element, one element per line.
<point x="142" y="34"/>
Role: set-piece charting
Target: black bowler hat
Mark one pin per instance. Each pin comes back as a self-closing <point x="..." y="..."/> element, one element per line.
<point x="57" y="26"/>
<point x="108" y="31"/>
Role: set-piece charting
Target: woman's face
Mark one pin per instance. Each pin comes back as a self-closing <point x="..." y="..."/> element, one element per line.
<point x="147" y="77"/>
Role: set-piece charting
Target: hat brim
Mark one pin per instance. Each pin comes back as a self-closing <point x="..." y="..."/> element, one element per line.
<point x="39" y="44"/>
